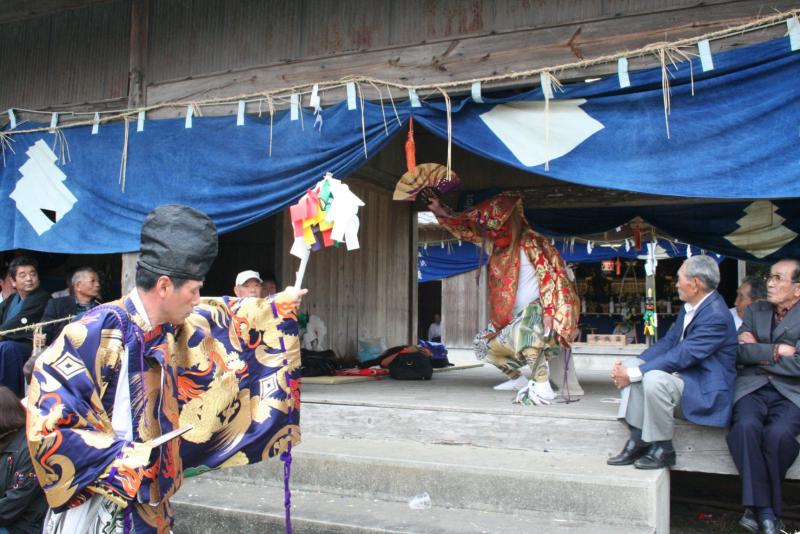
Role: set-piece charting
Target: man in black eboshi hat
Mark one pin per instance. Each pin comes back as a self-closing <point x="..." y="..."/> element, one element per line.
<point x="117" y="390"/>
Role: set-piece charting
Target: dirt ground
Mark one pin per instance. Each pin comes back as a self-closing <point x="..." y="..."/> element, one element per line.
<point x="712" y="504"/>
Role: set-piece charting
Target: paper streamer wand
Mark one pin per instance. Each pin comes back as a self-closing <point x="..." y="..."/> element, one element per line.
<point x="301" y="271"/>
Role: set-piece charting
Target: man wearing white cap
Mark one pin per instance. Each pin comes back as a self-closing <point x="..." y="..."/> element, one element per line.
<point x="248" y="284"/>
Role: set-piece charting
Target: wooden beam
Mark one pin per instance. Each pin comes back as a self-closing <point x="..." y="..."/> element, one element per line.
<point x="137" y="97"/>
<point x="12" y="10"/>
<point x="484" y="55"/>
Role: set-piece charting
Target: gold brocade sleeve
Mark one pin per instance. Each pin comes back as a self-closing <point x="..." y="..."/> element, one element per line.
<point x="74" y="449"/>
<point x="461" y="228"/>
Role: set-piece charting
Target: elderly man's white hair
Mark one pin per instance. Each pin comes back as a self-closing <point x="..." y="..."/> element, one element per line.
<point x="705" y="269"/>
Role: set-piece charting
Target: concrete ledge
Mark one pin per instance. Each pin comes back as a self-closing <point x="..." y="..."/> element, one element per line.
<point x="570" y="486"/>
<point x="207" y="506"/>
<point x="700" y="449"/>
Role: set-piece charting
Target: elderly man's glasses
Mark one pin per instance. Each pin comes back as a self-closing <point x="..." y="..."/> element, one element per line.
<point x="777" y="279"/>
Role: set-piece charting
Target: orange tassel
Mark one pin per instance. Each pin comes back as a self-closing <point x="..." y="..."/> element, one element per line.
<point x="637" y="236"/>
<point x="411" y="148"/>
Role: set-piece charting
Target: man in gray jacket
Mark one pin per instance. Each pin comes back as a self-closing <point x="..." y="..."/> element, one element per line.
<point x="766" y="413"/>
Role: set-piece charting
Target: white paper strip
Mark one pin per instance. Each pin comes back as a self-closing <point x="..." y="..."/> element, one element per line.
<point x="476" y="93"/>
<point x="794" y="33"/>
<point x="240" y="114"/>
<point x="705" y="55"/>
<point x="351" y="96"/>
<point x="140" y="122"/>
<point x="294" y="112"/>
<point x="299" y="247"/>
<point x="414" y="98"/>
<point x="96" y="124"/>
<point x="622" y="72"/>
<point x="314" y="101"/>
<point x="53" y="122"/>
<point x="189" y="113"/>
<point x="547" y="87"/>
<point x="12" y="119"/>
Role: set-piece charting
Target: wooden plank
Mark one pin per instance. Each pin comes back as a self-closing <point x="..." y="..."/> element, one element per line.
<point x="484" y="55"/>
<point x="355" y="26"/>
<point x="66" y="58"/>
<point x="15" y="10"/>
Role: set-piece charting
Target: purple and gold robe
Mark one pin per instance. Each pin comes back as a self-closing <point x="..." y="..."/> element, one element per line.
<point x="231" y="371"/>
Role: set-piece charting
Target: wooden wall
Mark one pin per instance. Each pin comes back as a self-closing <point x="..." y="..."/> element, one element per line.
<point x="73" y="52"/>
<point x="463" y="308"/>
<point x="66" y="58"/>
<point x="364" y="293"/>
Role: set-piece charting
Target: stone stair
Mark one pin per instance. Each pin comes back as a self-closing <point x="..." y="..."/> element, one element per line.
<point x="363" y="485"/>
<point x="488" y="466"/>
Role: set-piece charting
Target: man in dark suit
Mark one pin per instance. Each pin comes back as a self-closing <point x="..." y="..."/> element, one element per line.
<point x="85" y="286"/>
<point x="23" y="309"/>
<point x="692" y="368"/>
<point x="766" y="413"/>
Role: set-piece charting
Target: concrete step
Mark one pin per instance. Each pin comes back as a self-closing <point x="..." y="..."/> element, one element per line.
<point x="699" y="448"/>
<point x="568" y="486"/>
<point x="209" y="506"/>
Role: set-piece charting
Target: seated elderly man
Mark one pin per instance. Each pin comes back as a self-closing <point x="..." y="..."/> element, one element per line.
<point x="766" y="413"/>
<point x="691" y="368"/>
<point x="22" y="309"/>
<point x="85" y="286"/>
<point x="248" y="284"/>
<point x="752" y="289"/>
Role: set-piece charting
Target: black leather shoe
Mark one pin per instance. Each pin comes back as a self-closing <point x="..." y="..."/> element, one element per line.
<point x="655" y="458"/>
<point x="770" y="526"/>
<point x="630" y="453"/>
<point x="749" y="521"/>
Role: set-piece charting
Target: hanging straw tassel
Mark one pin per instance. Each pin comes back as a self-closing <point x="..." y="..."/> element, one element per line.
<point x="668" y="53"/>
<point x="449" y="108"/>
<point x="5" y="142"/>
<point x="411" y="148"/>
<point x="123" y="164"/>
<point x="363" y="124"/>
<point x="271" y="106"/>
<point x="391" y="99"/>
<point x="61" y="146"/>
<point x="383" y="111"/>
<point x="549" y="83"/>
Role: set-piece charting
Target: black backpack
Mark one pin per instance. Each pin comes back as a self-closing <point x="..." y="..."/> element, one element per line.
<point x="317" y="363"/>
<point x="411" y="366"/>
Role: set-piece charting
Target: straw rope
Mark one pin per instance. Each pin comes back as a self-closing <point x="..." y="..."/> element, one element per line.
<point x="657" y="49"/>
<point x="34" y="326"/>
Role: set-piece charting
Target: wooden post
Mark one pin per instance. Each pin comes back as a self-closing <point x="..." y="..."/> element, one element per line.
<point x="137" y="97"/>
<point x="741" y="271"/>
<point x="413" y="277"/>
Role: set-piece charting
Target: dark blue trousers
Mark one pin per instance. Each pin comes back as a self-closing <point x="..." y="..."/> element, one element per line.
<point x="763" y="444"/>
<point x="13" y="355"/>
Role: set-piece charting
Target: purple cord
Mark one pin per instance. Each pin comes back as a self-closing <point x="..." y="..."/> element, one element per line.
<point x="126" y="520"/>
<point x="286" y="457"/>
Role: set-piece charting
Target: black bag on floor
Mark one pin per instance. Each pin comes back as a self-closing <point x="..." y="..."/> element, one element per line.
<point x="317" y="363"/>
<point x="411" y="366"/>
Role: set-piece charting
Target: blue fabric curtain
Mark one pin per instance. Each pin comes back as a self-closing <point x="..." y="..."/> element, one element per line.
<point x="735" y="138"/>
